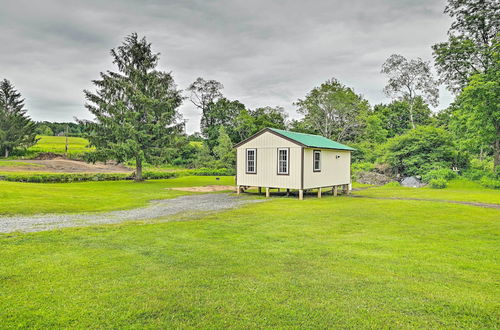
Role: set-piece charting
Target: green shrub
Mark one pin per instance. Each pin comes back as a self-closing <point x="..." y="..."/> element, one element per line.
<point x="64" y="177"/>
<point x="393" y="184"/>
<point x="438" y="183"/>
<point x="490" y="183"/>
<point x="441" y="173"/>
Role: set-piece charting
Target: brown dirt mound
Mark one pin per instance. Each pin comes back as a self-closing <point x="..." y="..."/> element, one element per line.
<point x="48" y="156"/>
<point x="210" y="188"/>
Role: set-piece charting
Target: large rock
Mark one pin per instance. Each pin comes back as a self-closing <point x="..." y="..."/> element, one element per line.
<point x="372" y="178"/>
<point x="411" y="181"/>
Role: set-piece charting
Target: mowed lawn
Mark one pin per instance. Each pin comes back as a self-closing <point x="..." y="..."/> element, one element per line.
<point x="33" y="198"/>
<point x="333" y="262"/>
<point x="457" y="190"/>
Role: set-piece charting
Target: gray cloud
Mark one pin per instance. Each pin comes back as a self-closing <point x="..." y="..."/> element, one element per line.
<point x="264" y="52"/>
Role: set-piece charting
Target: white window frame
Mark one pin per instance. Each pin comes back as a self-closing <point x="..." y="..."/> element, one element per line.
<point x="316" y="152"/>
<point x="287" y="172"/>
<point x="254" y="161"/>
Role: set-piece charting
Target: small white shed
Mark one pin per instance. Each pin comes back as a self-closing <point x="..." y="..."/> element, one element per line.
<point x="274" y="158"/>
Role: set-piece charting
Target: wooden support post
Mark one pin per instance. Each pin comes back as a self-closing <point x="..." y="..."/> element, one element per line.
<point x="278" y="189"/>
<point x="345" y="188"/>
<point x="267" y="192"/>
<point x="260" y="190"/>
<point x="319" y="192"/>
<point x="287" y="192"/>
<point x="349" y="188"/>
<point x="238" y="190"/>
<point x="301" y="194"/>
<point x="335" y="190"/>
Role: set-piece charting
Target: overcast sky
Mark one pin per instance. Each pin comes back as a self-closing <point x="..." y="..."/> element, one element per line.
<point x="264" y="52"/>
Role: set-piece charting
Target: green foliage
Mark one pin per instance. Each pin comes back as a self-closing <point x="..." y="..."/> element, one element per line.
<point x="44" y="130"/>
<point x="420" y="150"/>
<point x="441" y="173"/>
<point x="479" y="108"/>
<point x="226" y="155"/>
<point x="333" y="110"/>
<point x="490" y="182"/>
<point x="395" y="116"/>
<point x="393" y="184"/>
<point x="42" y="177"/>
<point x="269" y="117"/>
<point x="438" y="183"/>
<point x="135" y="109"/>
<point x="472" y="44"/>
<point x="72" y="129"/>
<point x="17" y="130"/>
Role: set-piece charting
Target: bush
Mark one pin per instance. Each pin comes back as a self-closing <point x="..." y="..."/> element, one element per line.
<point x="64" y="177"/>
<point x="438" y="183"/>
<point x="420" y="149"/>
<point x="442" y="173"/>
<point x="490" y="183"/>
<point x="80" y="177"/>
<point x="393" y="184"/>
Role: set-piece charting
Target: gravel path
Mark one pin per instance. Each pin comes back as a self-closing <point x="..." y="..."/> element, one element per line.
<point x="156" y="209"/>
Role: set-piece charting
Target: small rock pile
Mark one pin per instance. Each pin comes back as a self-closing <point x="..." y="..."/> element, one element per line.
<point x="373" y="178"/>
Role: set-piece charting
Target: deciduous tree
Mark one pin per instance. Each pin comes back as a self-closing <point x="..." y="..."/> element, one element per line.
<point x="473" y="38"/>
<point x="408" y="80"/>
<point x="333" y="110"/>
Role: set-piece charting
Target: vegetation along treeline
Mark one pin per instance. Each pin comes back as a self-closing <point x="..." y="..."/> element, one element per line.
<point x="137" y="119"/>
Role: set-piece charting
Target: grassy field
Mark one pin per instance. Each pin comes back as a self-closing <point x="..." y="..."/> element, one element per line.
<point x="32" y="198"/>
<point x="338" y="262"/>
<point x="8" y="163"/>
<point x="319" y="263"/>
<point x="457" y="190"/>
<point x="57" y="144"/>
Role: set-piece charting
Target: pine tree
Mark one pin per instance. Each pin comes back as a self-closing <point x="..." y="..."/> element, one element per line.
<point x="17" y="130"/>
<point x="135" y="109"/>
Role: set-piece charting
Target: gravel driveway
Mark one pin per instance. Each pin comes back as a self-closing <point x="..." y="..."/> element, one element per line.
<point x="156" y="209"/>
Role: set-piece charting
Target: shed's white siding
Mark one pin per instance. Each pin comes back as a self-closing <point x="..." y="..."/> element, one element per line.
<point x="334" y="170"/>
<point x="267" y="145"/>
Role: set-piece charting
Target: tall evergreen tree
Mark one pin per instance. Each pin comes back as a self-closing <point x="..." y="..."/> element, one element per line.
<point x="135" y="109"/>
<point x="17" y="130"/>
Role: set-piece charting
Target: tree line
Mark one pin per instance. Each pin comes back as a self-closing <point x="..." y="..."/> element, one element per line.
<point x="137" y="118"/>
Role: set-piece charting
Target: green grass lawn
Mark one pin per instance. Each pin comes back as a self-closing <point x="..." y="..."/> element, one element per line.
<point x="8" y="163"/>
<point x="57" y="144"/>
<point x="320" y="263"/>
<point x="457" y="190"/>
<point x="32" y="198"/>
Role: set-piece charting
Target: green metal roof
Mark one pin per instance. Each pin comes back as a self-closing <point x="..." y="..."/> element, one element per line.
<point x="313" y="141"/>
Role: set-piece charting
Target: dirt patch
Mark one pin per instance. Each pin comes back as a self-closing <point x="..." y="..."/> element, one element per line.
<point x="62" y="165"/>
<point x="210" y="188"/>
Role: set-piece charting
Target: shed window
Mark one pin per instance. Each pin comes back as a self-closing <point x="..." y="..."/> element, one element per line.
<point x="283" y="160"/>
<point x="317" y="161"/>
<point x="251" y="161"/>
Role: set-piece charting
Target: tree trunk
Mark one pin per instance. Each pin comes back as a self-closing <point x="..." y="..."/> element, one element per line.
<point x="411" y="115"/>
<point x="138" y="169"/>
<point x="496" y="153"/>
<point x="6" y="152"/>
